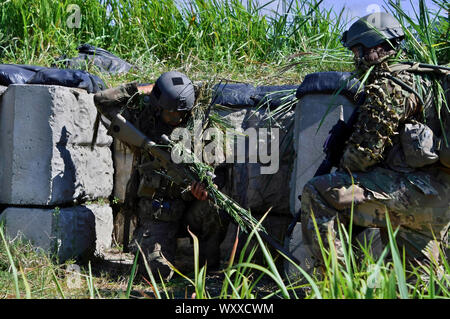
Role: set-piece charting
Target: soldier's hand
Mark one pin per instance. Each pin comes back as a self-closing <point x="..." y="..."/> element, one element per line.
<point x="199" y="191"/>
<point x="146" y="89"/>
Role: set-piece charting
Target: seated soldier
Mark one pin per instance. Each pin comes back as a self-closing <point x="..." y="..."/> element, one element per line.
<point x="391" y="158"/>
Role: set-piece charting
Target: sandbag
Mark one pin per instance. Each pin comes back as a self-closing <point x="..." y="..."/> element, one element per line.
<point x="71" y="78"/>
<point x="234" y="95"/>
<point x="249" y="107"/>
<point x="275" y="95"/>
<point x="34" y="68"/>
<point x="34" y="74"/>
<point x="104" y="60"/>
<point x="239" y="95"/>
<point x="330" y="83"/>
<point x="14" y="74"/>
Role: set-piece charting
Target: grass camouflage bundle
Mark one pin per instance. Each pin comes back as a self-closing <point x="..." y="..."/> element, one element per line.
<point x="203" y="173"/>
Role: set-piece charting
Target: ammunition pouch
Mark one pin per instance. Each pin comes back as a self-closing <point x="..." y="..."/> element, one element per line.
<point x="419" y="145"/>
<point x="167" y="211"/>
<point x="148" y="185"/>
<point x="149" y="181"/>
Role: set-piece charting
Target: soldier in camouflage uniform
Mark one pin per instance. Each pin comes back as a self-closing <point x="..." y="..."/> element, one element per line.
<point x="392" y="156"/>
<point x="163" y="208"/>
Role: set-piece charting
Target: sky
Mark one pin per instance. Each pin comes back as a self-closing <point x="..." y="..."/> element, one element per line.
<point x="360" y="8"/>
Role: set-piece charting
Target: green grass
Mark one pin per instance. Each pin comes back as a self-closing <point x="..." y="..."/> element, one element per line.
<point x="205" y="39"/>
<point x="208" y="40"/>
<point x="356" y="276"/>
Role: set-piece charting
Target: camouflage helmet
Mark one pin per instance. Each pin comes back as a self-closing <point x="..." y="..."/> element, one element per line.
<point x="373" y="29"/>
<point x="173" y="91"/>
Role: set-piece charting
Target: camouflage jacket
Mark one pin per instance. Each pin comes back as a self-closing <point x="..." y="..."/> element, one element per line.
<point x="388" y="106"/>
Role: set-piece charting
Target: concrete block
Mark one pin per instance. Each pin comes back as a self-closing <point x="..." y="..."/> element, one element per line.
<point x="44" y="136"/>
<point x="309" y="138"/>
<point x="79" y="172"/>
<point x="67" y="232"/>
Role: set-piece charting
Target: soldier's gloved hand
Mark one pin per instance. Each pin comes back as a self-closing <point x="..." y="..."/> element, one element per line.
<point x="199" y="191"/>
<point x="111" y="100"/>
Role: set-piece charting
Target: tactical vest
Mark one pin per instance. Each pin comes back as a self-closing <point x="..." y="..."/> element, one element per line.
<point x="147" y="180"/>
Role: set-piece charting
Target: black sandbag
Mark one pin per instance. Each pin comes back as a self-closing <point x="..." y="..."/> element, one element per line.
<point x="91" y="55"/>
<point x="14" y="74"/>
<point x="34" y="68"/>
<point x="330" y="83"/>
<point x="234" y="95"/>
<point x="71" y="78"/>
<point x="275" y="95"/>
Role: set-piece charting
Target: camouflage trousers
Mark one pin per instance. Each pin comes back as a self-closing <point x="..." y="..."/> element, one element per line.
<point x="158" y="230"/>
<point x="417" y="203"/>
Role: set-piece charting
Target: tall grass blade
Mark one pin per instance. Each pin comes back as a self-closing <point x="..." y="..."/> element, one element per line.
<point x="58" y="285"/>
<point x="90" y="282"/>
<point x="398" y="265"/>
<point x="154" y="285"/>
<point x="199" y="278"/>
<point x="274" y="271"/>
<point x="11" y="262"/>
<point x="25" y="283"/>
<point x="132" y="276"/>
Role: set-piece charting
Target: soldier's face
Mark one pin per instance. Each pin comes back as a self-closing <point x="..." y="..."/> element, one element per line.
<point x="173" y="118"/>
<point x="371" y="55"/>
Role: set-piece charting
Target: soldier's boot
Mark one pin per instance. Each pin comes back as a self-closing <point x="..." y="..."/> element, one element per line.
<point x="210" y="252"/>
<point x="158" y="243"/>
<point x="205" y="221"/>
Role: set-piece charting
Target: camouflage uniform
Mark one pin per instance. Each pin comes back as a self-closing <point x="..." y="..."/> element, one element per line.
<point x="416" y="198"/>
<point x="162" y="207"/>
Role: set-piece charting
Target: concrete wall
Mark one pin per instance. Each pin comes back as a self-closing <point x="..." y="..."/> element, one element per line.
<point x="309" y="138"/>
<point x="45" y="132"/>
<point x="46" y="162"/>
<point x="68" y="232"/>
